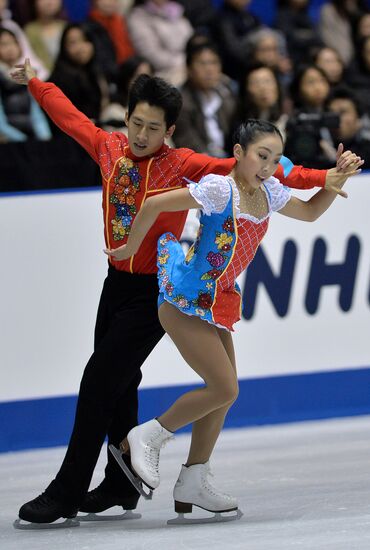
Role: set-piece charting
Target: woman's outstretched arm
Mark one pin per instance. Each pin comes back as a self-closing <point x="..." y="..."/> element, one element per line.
<point x="170" y="201"/>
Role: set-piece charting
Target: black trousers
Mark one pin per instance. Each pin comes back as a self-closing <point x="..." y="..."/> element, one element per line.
<point x="127" y="329"/>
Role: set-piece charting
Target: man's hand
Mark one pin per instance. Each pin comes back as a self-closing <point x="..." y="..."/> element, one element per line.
<point x="345" y="159"/>
<point x="349" y="166"/>
<point x="121" y="253"/>
<point x="22" y="74"/>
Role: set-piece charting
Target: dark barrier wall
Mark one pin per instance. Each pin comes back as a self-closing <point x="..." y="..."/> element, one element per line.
<point x="54" y="164"/>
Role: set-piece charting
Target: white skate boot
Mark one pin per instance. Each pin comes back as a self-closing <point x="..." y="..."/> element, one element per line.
<point x="146" y="441"/>
<point x="193" y="489"/>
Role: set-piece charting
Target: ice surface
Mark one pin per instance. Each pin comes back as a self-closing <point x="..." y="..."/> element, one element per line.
<point x="303" y="486"/>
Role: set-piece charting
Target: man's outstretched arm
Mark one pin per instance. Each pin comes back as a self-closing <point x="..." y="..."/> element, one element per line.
<point x="60" y="109"/>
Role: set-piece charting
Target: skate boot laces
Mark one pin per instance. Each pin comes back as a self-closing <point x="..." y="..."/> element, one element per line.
<point x="209" y="487"/>
<point x="152" y="448"/>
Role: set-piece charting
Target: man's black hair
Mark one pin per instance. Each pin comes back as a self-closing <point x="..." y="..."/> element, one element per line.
<point x="197" y="48"/>
<point x="344" y="92"/>
<point x="158" y="93"/>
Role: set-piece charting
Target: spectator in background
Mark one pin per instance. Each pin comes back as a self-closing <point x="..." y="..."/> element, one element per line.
<point x="7" y="22"/>
<point x="294" y="21"/>
<point x="45" y="29"/>
<point x="202" y="15"/>
<point x="352" y="131"/>
<point x="208" y="103"/>
<point x="261" y="96"/>
<point x="20" y="116"/>
<point x="310" y="89"/>
<point x="76" y="73"/>
<point x="234" y="23"/>
<point x="159" y="32"/>
<point x="268" y="47"/>
<point x="307" y="130"/>
<point x="362" y="28"/>
<point x="21" y="11"/>
<point x="113" y="116"/>
<point x="338" y="18"/>
<point x="107" y="14"/>
<point x="331" y="63"/>
<point x="358" y="76"/>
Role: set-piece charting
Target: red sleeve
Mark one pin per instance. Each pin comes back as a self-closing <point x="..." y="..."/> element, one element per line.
<point x="300" y="177"/>
<point x="65" y="115"/>
<point x="196" y="165"/>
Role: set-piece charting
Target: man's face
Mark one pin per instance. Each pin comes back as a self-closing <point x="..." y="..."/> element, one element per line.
<point x="349" y="120"/>
<point x="147" y="129"/>
<point x="205" y="70"/>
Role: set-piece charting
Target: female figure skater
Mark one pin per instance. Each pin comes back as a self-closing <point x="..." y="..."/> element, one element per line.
<point x="200" y="301"/>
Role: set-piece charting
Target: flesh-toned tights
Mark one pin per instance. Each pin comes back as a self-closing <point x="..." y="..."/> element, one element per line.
<point x="209" y="351"/>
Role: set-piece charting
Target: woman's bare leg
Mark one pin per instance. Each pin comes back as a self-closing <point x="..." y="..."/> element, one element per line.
<point x="201" y="346"/>
<point x="206" y="430"/>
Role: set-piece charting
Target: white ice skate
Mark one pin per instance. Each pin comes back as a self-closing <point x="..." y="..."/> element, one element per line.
<point x="145" y="442"/>
<point x="193" y="489"/>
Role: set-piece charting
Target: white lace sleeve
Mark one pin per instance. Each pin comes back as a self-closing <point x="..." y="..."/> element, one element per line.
<point x="212" y="193"/>
<point x="279" y="194"/>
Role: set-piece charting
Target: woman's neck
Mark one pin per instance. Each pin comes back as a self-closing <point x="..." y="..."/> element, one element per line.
<point x="243" y="186"/>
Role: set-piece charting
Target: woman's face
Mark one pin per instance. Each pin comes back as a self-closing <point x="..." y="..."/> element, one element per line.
<point x="261" y="85"/>
<point x="78" y="48"/>
<point x="363" y="27"/>
<point x="3" y="5"/>
<point x="48" y="8"/>
<point x="10" y="51"/>
<point x="259" y="161"/>
<point x="328" y="60"/>
<point x="314" y="88"/>
<point x="107" y="7"/>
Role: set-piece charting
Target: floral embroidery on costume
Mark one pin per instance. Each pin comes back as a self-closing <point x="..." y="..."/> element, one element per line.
<point x="181" y="301"/>
<point x="229" y="225"/>
<point x="191" y="283"/>
<point x="127" y="184"/>
<point x="223" y="241"/>
<point x="204" y="300"/>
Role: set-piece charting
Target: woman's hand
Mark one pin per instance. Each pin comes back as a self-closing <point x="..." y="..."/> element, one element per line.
<point x="121" y="253"/>
<point x="348" y="164"/>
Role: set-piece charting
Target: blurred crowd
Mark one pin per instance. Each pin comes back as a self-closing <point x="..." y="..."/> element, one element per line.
<point x="310" y="78"/>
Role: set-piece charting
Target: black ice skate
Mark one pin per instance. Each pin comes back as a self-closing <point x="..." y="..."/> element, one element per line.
<point x="102" y="498"/>
<point x="44" y="512"/>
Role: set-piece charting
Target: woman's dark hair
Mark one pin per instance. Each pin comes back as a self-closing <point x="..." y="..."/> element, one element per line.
<point x="295" y="86"/>
<point x="63" y="56"/>
<point x="252" y="130"/>
<point x="125" y="74"/>
<point x="61" y="14"/>
<point x="360" y="57"/>
<point x="158" y="93"/>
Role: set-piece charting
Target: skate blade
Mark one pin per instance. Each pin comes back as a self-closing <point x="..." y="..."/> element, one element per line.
<point x="28" y="526"/>
<point x="136" y="481"/>
<point x="128" y="514"/>
<point x="218" y="517"/>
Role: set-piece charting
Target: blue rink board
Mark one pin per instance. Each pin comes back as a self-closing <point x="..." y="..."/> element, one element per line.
<point x="47" y="422"/>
